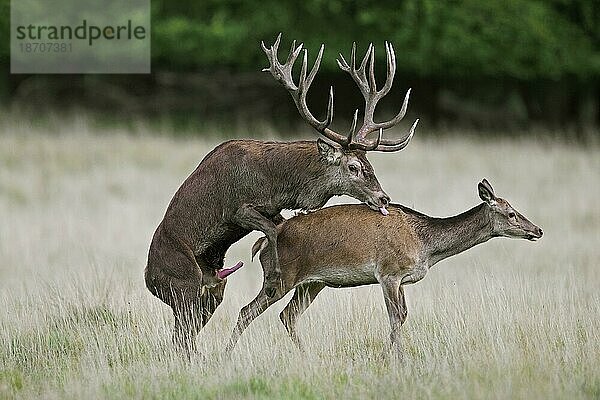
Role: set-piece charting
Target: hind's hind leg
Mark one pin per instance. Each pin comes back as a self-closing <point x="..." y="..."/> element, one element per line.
<point x="249" y="218"/>
<point x="303" y="297"/>
<point x="256" y="307"/>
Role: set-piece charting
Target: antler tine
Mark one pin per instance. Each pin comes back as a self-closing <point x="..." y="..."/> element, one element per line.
<point x="323" y="126"/>
<point x="329" y="118"/>
<point x="304" y="85"/>
<point x="391" y="70"/>
<point x="341" y="62"/>
<point x="363" y="64"/>
<point x="302" y="81"/>
<point x="275" y="47"/>
<point x="360" y="75"/>
<point x="401" y="144"/>
<point x="292" y="51"/>
<point x="372" y="82"/>
<point x="315" y="68"/>
<point x="368" y="87"/>
<point x="269" y="53"/>
<point x="398" y="117"/>
<point x="378" y="141"/>
<point x="283" y="74"/>
<point x="353" y="127"/>
<point x="294" y="56"/>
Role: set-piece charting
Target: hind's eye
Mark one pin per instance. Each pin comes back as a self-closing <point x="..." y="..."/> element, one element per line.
<point x="512" y="215"/>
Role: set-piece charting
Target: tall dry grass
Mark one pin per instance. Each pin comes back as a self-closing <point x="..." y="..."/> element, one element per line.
<point x="506" y="319"/>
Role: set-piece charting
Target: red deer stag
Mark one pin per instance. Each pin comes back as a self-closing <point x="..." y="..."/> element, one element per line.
<point x="242" y="185"/>
<point x="318" y="250"/>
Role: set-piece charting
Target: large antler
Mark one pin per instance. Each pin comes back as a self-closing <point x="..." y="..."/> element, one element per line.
<point x="283" y="74"/>
<point x="369" y="91"/>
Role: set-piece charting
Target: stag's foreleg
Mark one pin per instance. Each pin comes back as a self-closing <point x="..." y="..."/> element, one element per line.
<point x="249" y="218"/>
<point x="303" y="297"/>
<point x="278" y="219"/>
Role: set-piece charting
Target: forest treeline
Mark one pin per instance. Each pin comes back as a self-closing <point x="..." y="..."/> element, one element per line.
<point x="505" y="64"/>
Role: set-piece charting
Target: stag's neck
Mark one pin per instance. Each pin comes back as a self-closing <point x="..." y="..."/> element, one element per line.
<point x="445" y="237"/>
<point x="307" y="184"/>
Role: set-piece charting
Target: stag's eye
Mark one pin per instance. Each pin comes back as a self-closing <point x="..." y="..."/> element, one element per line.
<point x="354" y="168"/>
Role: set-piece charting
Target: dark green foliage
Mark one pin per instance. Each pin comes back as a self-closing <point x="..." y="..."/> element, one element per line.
<point x="4" y="31"/>
<point x="486" y="63"/>
<point x="523" y="39"/>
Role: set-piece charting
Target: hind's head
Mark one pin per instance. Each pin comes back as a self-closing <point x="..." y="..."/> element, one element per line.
<point x="506" y="221"/>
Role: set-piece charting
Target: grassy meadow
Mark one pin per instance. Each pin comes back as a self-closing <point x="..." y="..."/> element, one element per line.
<point x="507" y="319"/>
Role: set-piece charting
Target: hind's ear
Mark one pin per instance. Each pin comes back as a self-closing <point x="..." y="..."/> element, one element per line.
<point x="329" y="153"/>
<point x="486" y="192"/>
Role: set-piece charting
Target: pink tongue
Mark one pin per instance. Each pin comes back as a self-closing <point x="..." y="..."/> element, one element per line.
<point x="383" y="211"/>
<point x="225" y="272"/>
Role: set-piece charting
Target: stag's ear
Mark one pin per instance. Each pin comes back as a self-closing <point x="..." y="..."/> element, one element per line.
<point x="486" y="192"/>
<point x="329" y="153"/>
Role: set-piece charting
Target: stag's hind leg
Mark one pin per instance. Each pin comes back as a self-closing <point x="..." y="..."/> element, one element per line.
<point x="188" y="322"/>
<point x="303" y="297"/>
<point x="174" y="276"/>
<point x="192" y="309"/>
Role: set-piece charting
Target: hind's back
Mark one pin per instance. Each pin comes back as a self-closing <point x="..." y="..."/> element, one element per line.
<point x="344" y="238"/>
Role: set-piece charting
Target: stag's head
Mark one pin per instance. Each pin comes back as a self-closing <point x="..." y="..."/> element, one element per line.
<point x="353" y="174"/>
<point x="506" y="221"/>
<point x="347" y="152"/>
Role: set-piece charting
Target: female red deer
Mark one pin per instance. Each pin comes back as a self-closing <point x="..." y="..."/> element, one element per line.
<point x="346" y="246"/>
<point x="242" y="185"/>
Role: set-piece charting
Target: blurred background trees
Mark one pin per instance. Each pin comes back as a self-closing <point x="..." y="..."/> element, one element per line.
<point x="510" y="64"/>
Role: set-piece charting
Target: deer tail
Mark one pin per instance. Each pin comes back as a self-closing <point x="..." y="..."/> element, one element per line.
<point x="259" y="245"/>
